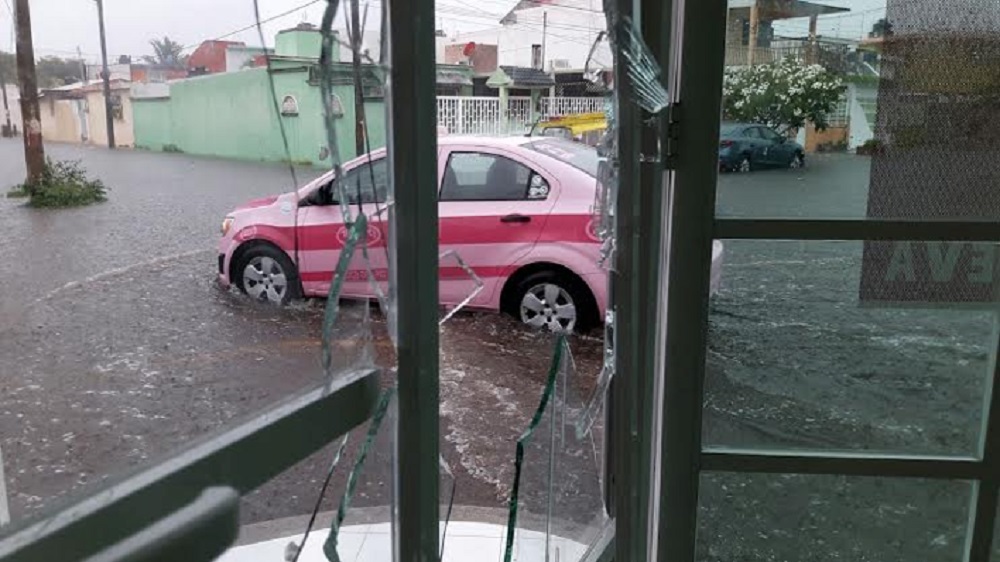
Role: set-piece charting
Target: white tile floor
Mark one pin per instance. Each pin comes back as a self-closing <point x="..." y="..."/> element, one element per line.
<point x="467" y="541"/>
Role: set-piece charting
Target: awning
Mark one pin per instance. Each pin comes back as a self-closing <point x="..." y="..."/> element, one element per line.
<point x="771" y="10"/>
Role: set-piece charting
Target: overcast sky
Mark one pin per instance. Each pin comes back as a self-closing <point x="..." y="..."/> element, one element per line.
<point x="60" y="26"/>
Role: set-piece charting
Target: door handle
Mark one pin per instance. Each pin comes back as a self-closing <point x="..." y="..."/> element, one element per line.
<point x="515" y="218"/>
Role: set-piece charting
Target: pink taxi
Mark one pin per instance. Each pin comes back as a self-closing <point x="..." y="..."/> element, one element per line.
<point x="516" y="211"/>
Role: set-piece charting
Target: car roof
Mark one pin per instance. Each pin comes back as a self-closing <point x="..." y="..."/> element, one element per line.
<point x="514" y="140"/>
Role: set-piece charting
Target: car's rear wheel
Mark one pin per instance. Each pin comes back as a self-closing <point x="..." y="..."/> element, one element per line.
<point x="554" y="301"/>
<point x="266" y="275"/>
<point x="744" y="166"/>
<point x="798" y="161"/>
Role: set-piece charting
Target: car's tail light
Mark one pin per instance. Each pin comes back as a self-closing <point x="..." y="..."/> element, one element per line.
<point x="725" y="143"/>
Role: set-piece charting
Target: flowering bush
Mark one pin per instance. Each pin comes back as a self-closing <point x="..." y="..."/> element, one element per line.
<point x="782" y="94"/>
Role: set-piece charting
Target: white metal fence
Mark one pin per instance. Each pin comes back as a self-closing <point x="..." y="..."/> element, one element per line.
<point x="482" y="115"/>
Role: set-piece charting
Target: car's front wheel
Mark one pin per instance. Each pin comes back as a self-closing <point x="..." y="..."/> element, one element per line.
<point x="555" y="302"/>
<point x="267" y="275"/>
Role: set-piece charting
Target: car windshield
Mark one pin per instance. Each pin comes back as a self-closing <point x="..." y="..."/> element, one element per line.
<point x="579" y="155"/>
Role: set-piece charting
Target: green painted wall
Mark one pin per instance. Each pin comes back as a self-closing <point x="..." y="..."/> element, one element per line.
<point x="232" y="115"/>
<point x="301" y="43"/>
<point x="155" y="115"/>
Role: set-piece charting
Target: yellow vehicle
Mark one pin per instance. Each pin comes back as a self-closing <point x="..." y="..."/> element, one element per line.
<point x="587" y="128"/>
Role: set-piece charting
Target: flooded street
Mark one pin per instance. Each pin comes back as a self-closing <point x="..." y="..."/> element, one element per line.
<point x="117" y="347"/>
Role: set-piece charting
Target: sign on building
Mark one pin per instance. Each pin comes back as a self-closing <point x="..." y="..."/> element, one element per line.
<point x="936" y="125"/>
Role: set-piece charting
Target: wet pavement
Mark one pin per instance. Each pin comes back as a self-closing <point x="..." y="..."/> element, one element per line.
<point x="116" y="347"/>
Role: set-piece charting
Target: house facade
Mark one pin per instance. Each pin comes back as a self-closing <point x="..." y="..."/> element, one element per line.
<point x="231" y="114"/>
<point x="76" y="114"/>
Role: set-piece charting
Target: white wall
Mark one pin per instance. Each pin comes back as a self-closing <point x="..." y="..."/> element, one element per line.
<point x="14" y="104"/>
<point x="570" y="33"/>
<point x="117" y="71"/>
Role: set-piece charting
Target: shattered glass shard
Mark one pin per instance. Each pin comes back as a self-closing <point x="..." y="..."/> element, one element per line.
<point x="332" y="333"/>
<point x="641" y="68"/>
<point x="550" y="517"/>
<point x="448" y="484"/>
<point x="385" y="409"/>
<point x="584" y="423"/>
<point x="293" y="550"/>
<point x="476" y="280"/>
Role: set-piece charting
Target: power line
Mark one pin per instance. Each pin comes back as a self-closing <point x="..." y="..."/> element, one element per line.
<point x="253" y="25"/>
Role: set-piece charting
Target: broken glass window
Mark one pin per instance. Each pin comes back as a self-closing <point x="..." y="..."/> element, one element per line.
<point x="475" y="282"/>
<point x="556" y="505"/>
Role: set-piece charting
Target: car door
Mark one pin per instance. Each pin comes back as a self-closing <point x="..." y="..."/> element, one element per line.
<point x="778" y="152"/>
<point x="752" y="139"/>
<point x="493" y="205"/>
<point x="322" y="233"/>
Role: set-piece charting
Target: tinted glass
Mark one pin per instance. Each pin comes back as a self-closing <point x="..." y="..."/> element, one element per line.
<point x="580" y="156"/>
<point x="768" y="134"/>
<point x="474" y="176"/>
<point x="360" y="186"/>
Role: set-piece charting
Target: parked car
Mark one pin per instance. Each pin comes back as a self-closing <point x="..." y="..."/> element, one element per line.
<point x="745" y="146"/>
<point x="518" y="211"/>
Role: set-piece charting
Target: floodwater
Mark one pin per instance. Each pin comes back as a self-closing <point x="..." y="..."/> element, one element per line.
<point x="117" y="347"/>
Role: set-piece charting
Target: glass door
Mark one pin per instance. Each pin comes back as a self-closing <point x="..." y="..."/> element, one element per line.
<point x="837" y="394"/>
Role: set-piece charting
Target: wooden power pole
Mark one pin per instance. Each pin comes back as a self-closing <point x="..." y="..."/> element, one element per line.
<point x="106" y="76"/>
<point x="34" y="152"/>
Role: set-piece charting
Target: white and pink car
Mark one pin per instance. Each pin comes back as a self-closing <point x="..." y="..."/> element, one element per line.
<point x="517" y="210"/>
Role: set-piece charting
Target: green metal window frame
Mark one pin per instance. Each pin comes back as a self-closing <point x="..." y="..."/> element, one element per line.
<point x="187" y="505"/>
<point x="693" y="227"/>
<point x="187" y="502"/>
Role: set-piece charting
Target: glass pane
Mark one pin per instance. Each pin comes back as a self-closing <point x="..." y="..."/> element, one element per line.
<point x="556" y="505"/>
<point x="882" y="108"/>
<point x="758" y="517"/>
<point x="809" y="350"/>
<point x="197" y="293"/>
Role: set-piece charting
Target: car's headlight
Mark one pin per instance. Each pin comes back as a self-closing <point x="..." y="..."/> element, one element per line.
<point x="227" y="223"/>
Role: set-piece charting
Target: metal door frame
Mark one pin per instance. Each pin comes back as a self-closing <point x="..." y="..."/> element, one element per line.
<point x="698" y="75"/>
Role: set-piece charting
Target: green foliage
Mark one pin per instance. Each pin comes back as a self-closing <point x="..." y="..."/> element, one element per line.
<point x="50" y="71"/>
<point x="165" y="51"/>
<point x="171" y="148"/>
<point x="881" y="28"/>
<point x="17" y="192"/>
<point x="64" y="184"/>
<point x="783" y="94"/>
<point x="55" y="71"/>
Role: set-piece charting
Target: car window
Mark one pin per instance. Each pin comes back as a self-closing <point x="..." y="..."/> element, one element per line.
<point x="475" y="176"/>
<point x="358" y="183"/>
<point x="751" y="133"/>
<point x="768" y="134"/>
<point x="581" y="156"/>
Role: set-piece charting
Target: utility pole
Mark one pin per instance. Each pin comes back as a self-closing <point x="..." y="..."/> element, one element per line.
<point x="83" y="65"/>
<point x="106" y="76"/>
<point x="34" y="152"/>
<point x="359" y="95"/>
<point x="545" y="30"/>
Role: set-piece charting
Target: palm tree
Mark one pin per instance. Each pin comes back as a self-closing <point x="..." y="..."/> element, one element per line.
<point x="166" y="50"/>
